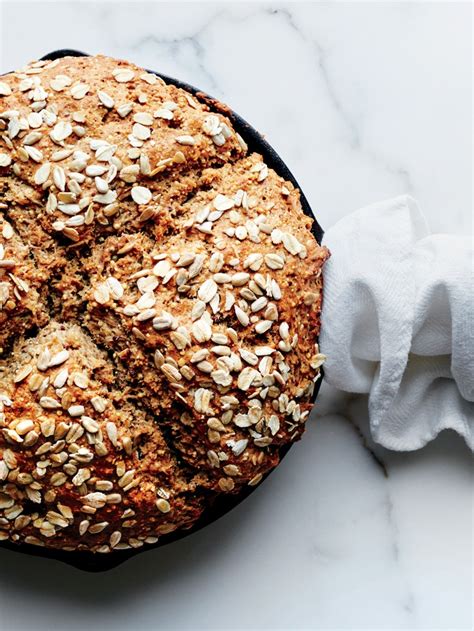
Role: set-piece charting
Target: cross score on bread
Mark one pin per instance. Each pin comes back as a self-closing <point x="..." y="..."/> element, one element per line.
<point x="160" y="296"/>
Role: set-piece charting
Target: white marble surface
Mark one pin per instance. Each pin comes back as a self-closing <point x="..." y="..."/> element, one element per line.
<point x="363" y="101"/>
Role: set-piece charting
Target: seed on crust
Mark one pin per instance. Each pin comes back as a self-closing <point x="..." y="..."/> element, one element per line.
<point x="163" y="506"/>
<point x="141" y="195"/>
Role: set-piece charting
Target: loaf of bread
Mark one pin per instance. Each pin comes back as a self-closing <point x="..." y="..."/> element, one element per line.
<point x="160" y="296"/>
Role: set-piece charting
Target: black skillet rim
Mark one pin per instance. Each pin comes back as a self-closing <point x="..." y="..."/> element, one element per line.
<point x="94" y="562"/>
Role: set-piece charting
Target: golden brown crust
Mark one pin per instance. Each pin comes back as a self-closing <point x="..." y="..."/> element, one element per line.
<point x="21" y="284"/>
<point x="83" y="137"/>
<point x="87" y="461"/>
<point x="136" y="215"/>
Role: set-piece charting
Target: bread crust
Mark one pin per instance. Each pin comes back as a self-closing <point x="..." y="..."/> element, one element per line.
<point x="160" y="299"/>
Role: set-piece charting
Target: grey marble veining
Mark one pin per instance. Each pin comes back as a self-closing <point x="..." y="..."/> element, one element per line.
<point x="364" y="101"/>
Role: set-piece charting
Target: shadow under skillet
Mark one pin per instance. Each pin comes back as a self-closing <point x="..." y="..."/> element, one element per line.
<point x="200" y="557"/>
<point x="42" y="577"/>
<point x="160" y="569"/>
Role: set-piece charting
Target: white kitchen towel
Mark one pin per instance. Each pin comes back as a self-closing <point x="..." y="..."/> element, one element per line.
<point x="398" y="322"/>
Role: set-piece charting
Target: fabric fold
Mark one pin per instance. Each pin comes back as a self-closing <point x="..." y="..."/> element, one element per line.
<point x="398" y="322"/>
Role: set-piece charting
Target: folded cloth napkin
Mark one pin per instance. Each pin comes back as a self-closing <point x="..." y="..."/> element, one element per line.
<point x="398" y="322"/>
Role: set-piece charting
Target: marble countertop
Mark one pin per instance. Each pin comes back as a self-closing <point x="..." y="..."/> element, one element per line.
<point x="363" y="101"/>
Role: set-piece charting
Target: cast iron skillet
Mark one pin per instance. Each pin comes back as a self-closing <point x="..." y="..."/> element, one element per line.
<point x="94" y="562"/>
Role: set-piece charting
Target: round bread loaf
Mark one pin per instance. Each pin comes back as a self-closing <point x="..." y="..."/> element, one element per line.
<point x="160" y="296"/>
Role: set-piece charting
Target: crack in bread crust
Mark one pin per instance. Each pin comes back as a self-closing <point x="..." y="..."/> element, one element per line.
<point x="160" y="297"/>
